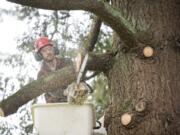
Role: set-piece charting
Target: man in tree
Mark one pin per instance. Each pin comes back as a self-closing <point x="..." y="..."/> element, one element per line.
<point x="46" y="51"/>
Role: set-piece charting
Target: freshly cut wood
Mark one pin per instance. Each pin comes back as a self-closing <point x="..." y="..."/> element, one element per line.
<point x="148" y="51"/>
<point x="126" y="119"/>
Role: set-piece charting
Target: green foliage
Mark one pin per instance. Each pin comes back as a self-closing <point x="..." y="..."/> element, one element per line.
<point x="104" y="42"/>
<point x="7" y="129"/>
<point x="101" y="94"/>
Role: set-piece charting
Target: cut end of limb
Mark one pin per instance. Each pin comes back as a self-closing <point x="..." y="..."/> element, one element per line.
<point x="140" y="106"/>
<point x="148" y="51"/>
<point x="126" y="119"/>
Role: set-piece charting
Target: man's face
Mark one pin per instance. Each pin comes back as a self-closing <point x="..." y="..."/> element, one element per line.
<point x="47" y="53"/>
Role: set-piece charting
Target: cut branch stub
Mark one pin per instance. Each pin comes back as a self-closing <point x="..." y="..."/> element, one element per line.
<point x="178" y="42"/>
<point x="141" y="106"/>
<point x="148" y="51"/>
<point x="136" y="115"/>
<point x="126" y="119"/>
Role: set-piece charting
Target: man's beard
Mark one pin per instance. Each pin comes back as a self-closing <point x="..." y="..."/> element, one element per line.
<point x="50" y="58"/>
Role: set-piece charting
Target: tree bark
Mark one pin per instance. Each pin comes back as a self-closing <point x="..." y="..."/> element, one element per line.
<point x="155" y="79"/>
<point x="93" y="34"/>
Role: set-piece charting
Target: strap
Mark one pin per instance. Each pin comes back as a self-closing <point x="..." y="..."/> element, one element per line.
<point x="98" y="127"/>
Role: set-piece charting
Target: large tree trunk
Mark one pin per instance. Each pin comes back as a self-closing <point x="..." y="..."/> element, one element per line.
<point x="155" y="81"/>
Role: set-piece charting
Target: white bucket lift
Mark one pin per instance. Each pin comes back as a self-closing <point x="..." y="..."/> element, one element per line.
<point x="63" y="119"/>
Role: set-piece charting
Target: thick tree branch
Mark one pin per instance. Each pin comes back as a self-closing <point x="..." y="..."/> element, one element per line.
<point x="56" y="80"/>
<point x="52" y="82"/>
<point x="93" y="34"/>
<point x="100" y="62"/>
<point x="105" y="11"/>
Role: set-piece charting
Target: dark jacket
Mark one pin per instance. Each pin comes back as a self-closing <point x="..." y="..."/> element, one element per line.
<point x="55" y="96"/>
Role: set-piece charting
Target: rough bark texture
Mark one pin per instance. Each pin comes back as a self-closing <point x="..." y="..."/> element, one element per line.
<point x="93" y="34"/>
<point x="155" y="80"/>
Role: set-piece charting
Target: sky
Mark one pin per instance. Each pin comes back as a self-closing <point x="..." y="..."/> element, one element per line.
<point x="8" y="34"/>
<point x="10" y="28"/>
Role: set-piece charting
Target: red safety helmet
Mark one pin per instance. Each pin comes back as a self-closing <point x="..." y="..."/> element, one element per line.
<point x="41" y="42"/>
